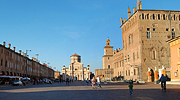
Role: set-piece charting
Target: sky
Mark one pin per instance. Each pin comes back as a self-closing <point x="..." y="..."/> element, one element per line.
<point x="56" y="29"/>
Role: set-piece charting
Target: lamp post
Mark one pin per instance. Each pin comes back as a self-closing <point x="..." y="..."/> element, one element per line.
<point x="26" y="60"/>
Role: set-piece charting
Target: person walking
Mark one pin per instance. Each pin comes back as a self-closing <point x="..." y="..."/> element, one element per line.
<point x="163" y="82"/>
<point x="130" y="87"/>
<point x="98" y="82"/>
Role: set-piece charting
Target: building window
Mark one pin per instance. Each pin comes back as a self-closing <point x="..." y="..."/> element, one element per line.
<point x="125" y="59"/>
<point x="174" y="17"/>
<point x="179" y="17"/>
<point x="158" y="16"/>
<point x="133" y="56"/>
<point x="173" y="33"/>
<point x="153" y="55"/>
<point x="129" y="39"/>
<point x="109" y="67"/>
<point x="142" y="15"/>
<point x="134" y="71"/>
<point x="167" y="29"/>
<point x="154" y="29"/>
<point x="126" y="72"/>
<point x="137" y="55"/>
<point x="147" y="16"/>
<point x="148" y="34"/>
<point x="164" y="17"/>
<point x="153" y="17"/>
<point x="163" y="52"/>
<point x="1" y="62"/>
<point x="129" y="72"/>
<point x="128" y="58"/>
<point x="5" y="63"/>
<point x="1" y="51"/>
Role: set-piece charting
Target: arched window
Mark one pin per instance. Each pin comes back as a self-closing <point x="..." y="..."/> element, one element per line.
<point x="173" y="33"/>
<point x="159" y="17"/>
<point x="142" y="15"/>
<point x="147" y="16"/>
<point x="153" y="53"/>
<point x="174" y="17"/>
<point x="128" y="58"/>
<point x="163" y="52"/>
<point x="164" y="17"/>
<point x="153" y="17"/>
<point x="109" y="67"/>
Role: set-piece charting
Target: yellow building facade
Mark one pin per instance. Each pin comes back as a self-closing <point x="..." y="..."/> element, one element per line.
<point x="175" y="58"/>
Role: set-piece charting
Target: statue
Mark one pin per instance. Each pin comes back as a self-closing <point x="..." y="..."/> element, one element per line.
<point x="162" y="67"/>
<point x="155" y="68"/>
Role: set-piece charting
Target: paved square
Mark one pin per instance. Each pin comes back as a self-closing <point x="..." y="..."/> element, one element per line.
<point x="79" y="91"/>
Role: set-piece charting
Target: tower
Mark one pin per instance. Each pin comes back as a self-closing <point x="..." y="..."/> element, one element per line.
<point x="108" y="53"/>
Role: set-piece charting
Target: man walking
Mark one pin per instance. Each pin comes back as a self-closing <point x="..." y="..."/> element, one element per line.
<point x="163" y="82"/>
<point x="98" y="82"/>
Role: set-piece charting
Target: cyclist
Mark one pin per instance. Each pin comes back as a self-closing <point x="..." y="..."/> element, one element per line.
<point x="163" y="82"/>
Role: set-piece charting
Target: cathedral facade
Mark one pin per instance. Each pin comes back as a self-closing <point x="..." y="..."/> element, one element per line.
<point x="76" y="71"/>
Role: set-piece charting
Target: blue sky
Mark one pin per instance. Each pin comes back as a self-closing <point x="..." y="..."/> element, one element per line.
<point x="56" y="29"/>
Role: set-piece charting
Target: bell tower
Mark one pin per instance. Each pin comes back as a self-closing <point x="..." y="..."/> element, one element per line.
<point x="108" y="54"/>
<point x="108" y="49"/>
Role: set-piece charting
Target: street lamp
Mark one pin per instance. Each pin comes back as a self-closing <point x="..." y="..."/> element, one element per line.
<point x="26" y="60"/>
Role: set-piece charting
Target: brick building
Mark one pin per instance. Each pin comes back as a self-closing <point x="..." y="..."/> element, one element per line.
<point x="14" y="63"/>
<point x="144" y="36"/>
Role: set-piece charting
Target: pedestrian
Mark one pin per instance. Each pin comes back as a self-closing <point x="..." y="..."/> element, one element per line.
<point x="98" y="82"/>
<point x="67" y="81"/>
<point x="163" y="82"/>
<point x="87" y="81"/>
<point x="93" y="83"/>
<point x="130" y="87"/>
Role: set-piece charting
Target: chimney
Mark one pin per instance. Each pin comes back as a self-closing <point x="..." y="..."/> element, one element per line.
<point x="121" y="21"/>
<point x="14" y="49"/>
<point x="19" y="51"/>
<point x="129" y="12"/>
<point x="124" y="20"/>
<point x="140" y="5"/>
<point x="4" y="43"/>
<point x="119" y="48"/>
<point x="9" y="45"/>
<point x="134" y="10"/>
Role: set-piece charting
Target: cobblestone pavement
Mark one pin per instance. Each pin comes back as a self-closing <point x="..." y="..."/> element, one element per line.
<point x="79" y="91"/>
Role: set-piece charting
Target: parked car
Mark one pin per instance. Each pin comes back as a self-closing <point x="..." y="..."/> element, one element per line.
<point x="17" y="83"/>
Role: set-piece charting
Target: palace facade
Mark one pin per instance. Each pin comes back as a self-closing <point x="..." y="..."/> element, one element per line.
<point x="144" y="36"/>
